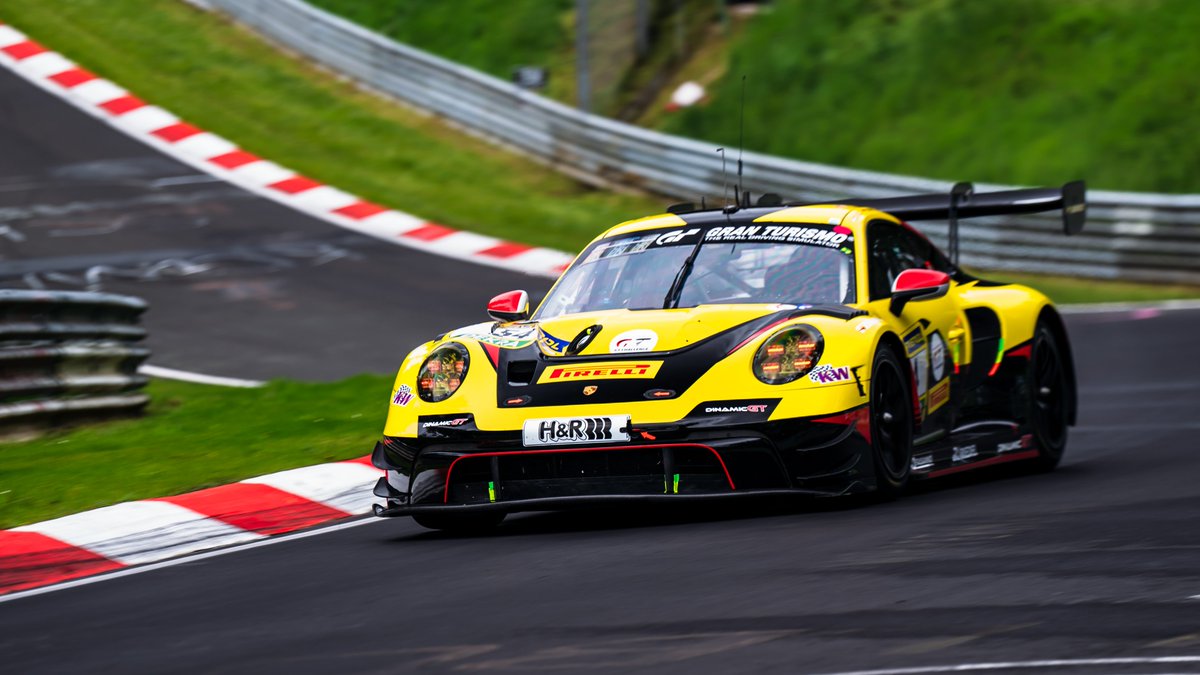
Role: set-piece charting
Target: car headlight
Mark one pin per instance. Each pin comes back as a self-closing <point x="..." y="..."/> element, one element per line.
<point x="443" y="372"/>
<point x="788" y="355"/>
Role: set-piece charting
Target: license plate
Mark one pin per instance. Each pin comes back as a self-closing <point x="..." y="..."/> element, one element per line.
<point x="575" y="430"/>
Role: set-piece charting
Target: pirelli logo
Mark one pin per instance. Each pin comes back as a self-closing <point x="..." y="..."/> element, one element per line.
<point x="624" y="370"/>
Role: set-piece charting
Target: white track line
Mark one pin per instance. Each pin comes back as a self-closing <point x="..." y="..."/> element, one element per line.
<point x="1117" y="307"/>
<point x="1009" y="665"/>
<point x="128" y="571"/>
<point x="185" y="376"/>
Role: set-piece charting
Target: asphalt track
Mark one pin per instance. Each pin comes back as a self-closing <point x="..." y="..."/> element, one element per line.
<point x="1100" y="559"/>
<point x="238" y="285"/>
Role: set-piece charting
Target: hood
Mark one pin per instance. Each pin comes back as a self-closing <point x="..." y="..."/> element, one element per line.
<point x="626" y="331"/>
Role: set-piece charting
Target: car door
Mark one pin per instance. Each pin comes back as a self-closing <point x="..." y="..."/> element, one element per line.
<point x="933" y="330"/>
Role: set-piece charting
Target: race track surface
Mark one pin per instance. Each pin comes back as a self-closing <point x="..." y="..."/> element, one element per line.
<point x="1099" y="559"/>
<point x="238" y="285"/>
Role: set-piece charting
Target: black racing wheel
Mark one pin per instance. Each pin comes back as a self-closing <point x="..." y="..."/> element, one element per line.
<point x="1048" y="394"/>
<point x="891" y="423"/>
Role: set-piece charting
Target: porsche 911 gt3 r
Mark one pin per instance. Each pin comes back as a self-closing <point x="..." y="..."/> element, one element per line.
<point x="708" y="354"/>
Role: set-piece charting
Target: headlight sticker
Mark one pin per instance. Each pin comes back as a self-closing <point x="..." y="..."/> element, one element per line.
<point x="402" y="396"/>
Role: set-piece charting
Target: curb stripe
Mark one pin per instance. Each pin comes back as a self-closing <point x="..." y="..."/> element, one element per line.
<point x="258" y="508"/>
<point x="429" y="232"/>
<point x="295" y="185"/>
<point x="29" y="560"/>
<point x="72" y="78"/>
<point x="233" y="159"/>
<point x="360" y="210"/>
<point x="24" y="50"/>
<point x="153" y="530"/>
<point x="176" y="132"/>
<point x="123" y="104"/>
<point x="505" y="250"/>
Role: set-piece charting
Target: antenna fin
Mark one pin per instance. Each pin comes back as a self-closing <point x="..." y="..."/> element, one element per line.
<point x="741" y="139"/>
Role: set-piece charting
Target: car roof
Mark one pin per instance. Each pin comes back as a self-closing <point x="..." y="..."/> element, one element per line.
<point x="853" y="217"/>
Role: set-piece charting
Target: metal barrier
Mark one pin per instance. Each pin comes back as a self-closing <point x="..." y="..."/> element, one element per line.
<point x="1132" y="236"/>
<point x="68" y="357"/>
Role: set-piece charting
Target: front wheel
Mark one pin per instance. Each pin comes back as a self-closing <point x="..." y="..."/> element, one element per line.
<point x="460" y="523"/>
<point x="1048" y="384"/>
<point x="891" y="424"/>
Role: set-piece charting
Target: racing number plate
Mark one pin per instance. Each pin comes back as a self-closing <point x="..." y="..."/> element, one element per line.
<point x="575" y="430"/>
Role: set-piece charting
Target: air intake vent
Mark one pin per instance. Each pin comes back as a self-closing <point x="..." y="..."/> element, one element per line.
<point x="521" y="372"/>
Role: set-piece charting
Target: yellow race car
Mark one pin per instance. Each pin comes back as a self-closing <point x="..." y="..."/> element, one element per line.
<point x="746" y="350"/>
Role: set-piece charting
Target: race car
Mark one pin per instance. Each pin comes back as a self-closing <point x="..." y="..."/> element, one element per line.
<point x="706" y="354"/>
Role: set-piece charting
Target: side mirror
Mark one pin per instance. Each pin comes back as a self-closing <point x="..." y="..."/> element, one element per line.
<point x="510" y="306"/>
<point x="918" y="284"/>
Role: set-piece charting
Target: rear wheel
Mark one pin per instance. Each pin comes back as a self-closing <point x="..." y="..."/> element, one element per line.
<point x="460" y="523"/>
<point x="1048" y="397"/>
<point x="891" y="423"/>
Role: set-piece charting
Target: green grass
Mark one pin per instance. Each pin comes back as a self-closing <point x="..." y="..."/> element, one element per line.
<point x="194" y="436"/>
<point x="227" y="80"/>
<point x="1008" y="91"/>
<point x="1070" y="290"/>
<point x="493" y="37"/>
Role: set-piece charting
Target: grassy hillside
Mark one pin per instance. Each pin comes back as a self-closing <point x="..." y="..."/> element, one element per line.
<point x="490" y="36"/>
<point x="1011" y="91"/>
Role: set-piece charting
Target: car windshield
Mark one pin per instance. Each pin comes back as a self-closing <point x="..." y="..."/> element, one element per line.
<point x="804" y="264"/>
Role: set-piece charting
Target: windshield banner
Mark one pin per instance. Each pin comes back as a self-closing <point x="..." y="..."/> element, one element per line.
<point x="816" y="235"/>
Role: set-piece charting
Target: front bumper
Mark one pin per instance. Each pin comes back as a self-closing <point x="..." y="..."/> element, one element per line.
<point x="491" y="471"/>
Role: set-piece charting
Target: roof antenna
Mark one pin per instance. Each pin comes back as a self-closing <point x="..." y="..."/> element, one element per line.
<point x="742" y="142"/>
<point x="724" y="179"/>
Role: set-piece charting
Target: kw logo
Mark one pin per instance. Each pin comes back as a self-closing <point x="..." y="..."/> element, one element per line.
<point x="628" y="370"/>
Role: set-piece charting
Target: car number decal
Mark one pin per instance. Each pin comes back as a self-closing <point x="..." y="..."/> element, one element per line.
<point x="575" y="430"/>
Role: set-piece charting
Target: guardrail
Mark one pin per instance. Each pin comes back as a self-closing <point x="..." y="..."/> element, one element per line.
<point x="68" y="357"/>
<point x="1132" y="236"/>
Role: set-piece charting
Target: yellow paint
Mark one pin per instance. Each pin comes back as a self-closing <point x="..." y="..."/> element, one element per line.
<point x="731" y="377"/>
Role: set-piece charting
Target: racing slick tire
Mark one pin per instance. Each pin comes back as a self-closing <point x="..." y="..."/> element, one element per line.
<point x="460" y="523"/>
<point x="891" y="404"/>
<point x="1048" y="393"/>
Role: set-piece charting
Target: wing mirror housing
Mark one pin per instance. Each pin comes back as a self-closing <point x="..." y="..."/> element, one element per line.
<point x="917" y="284"/>
<point x="510" y="306"/>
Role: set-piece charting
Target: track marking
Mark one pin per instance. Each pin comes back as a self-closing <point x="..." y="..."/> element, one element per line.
<point x="1012" y="665"/>
<point x="129" y="571"/>
<point x="1111" y="428"/>
<point x="936" y="644"/>
<point x="1122" y="307"/>
<point x="185" y="376"/>
<point x="1179" y="641"/>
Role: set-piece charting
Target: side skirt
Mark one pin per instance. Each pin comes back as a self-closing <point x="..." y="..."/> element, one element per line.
<point x="974" y="446"/>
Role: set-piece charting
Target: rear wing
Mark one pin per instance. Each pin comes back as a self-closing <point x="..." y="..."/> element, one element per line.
<point x="1071" y="198"/>
<point x="963" y="202"/>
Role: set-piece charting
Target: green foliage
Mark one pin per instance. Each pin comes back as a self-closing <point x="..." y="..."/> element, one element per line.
<point x="1069" y="290"/>
<point x="193" y="436"/>
<point x="486" y="35"/>
<point x="1009" y="91"/>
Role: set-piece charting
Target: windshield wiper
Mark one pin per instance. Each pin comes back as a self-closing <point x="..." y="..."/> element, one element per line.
<point x="676" y="289"/>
